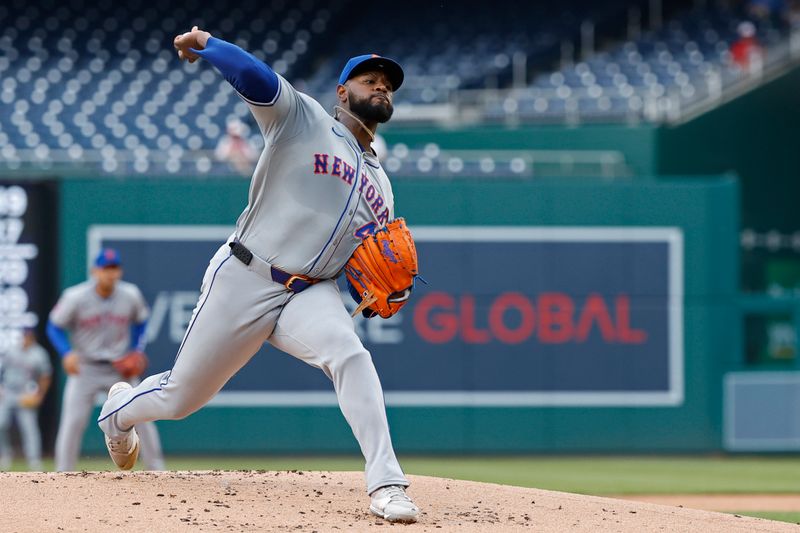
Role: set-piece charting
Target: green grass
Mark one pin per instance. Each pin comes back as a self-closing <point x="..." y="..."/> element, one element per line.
<point x="587" y="475"/>
<point x="608" y="475"/>
<point x="793" y="518"/>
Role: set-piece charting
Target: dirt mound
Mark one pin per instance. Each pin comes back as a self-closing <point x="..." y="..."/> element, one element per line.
<point x="321" y="501"/>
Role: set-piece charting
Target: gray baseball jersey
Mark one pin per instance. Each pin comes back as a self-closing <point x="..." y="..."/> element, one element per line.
<point x="100" y="327"/>
<point x="315" y="193"/>
<point x="22" y="368"/>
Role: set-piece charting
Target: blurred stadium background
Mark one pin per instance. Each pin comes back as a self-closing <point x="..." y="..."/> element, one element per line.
<point x="616" y="181"/>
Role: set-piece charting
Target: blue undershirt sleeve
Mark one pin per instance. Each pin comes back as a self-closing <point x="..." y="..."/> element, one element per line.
<point x="252" y="78"/>
<point x="58" y="338"/>
<point x="138" y="336"/>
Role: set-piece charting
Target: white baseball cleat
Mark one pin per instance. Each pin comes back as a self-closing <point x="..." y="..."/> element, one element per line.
<point x="393" y="504"/>
<point x="124" y="450"/>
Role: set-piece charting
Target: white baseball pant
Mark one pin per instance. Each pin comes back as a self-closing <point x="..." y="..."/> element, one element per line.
<point x="28" y="426"/>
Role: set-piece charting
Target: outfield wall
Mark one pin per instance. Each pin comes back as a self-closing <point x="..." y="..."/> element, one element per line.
<point x="561" y="315"/>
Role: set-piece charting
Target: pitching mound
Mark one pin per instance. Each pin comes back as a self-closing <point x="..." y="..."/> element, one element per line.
<point x="321" y="501"/>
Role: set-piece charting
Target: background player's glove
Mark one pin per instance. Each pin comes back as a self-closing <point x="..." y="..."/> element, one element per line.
<point x="71" y="363"/>
<point x="131" y="364"/>
<point x="381" y="271"/>
<point x="30" y="400"/>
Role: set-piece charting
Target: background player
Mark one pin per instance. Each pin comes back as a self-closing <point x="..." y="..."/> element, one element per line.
<point x="106" y="318"/>
<point x="25" y="376"/>
<point x="317" y="188"/>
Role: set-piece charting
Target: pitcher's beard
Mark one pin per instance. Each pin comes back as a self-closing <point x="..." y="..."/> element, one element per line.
<point x="369" y="111"/>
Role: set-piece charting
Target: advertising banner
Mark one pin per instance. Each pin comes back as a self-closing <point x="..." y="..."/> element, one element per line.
<point x="511" y="316"/>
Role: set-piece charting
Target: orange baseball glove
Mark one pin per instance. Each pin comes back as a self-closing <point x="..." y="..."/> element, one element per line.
<point x="131" y="364"/>
<point x="381" y="272"/>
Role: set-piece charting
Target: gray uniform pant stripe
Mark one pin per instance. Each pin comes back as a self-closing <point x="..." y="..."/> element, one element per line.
<point x="241" y="310"/>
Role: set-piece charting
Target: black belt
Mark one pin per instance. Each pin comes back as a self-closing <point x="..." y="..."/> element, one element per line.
<point x="293" y="282"/>
<point x="98" y="362"/>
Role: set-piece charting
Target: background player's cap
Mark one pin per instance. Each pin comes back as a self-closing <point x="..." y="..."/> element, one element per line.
<point x="107" y="257"/>
<point x="360" y="64"/>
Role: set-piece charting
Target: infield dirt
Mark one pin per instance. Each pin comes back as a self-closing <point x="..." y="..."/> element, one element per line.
<point x="323" y="501"/>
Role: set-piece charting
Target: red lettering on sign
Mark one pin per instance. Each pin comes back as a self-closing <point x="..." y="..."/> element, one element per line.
<point x="440" y="317"/>
<point x="624" y="331"/>
<point x="595" y="310"/>
<point x="556" y="311"/>
<point x="469" y="332"/>
<point x="503" y="303"/>
<point x="440" y="327"/>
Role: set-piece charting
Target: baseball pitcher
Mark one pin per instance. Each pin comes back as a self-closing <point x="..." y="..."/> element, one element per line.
<point x="317" y="194"/>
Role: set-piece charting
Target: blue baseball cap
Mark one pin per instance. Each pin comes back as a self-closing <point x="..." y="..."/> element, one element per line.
<point x="107" y="257"/>
<point x="368" y="62"/>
